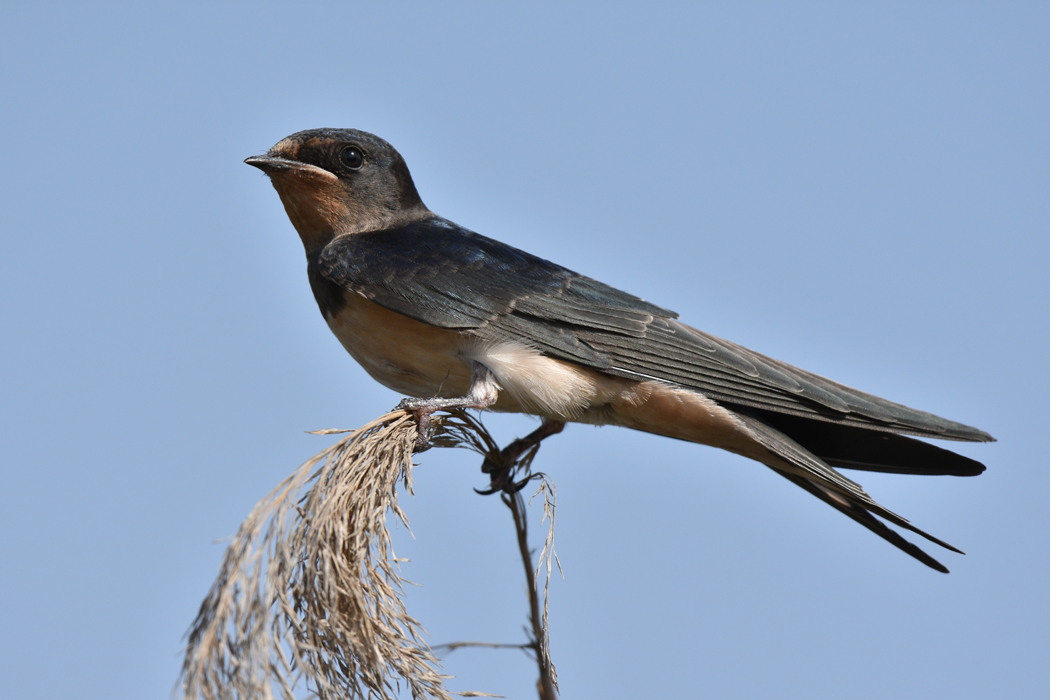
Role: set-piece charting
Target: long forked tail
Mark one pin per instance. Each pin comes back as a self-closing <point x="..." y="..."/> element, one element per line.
<point x="817" y="477"/>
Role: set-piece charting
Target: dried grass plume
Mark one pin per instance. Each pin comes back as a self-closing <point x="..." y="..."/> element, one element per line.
<point x="309" y="593"/>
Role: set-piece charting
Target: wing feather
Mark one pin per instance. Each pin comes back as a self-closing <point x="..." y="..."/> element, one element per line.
<point x="440" y="273"/>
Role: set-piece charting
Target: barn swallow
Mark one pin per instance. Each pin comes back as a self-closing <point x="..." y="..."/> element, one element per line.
<point x="451" y="318"/>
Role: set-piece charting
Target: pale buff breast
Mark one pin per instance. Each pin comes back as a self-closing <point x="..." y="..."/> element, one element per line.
<point x="423" y="361"/>
<point x="412" y="358"/>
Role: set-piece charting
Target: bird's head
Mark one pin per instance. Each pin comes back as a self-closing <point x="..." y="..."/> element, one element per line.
<point x="335" y="181"/>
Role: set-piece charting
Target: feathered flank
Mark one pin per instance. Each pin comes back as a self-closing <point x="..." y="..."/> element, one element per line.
<point x="442" y="274"/>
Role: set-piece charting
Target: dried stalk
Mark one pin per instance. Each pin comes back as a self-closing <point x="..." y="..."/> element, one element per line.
<point x="548" y="680"/>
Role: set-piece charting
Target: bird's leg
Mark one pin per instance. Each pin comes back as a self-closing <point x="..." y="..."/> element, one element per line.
<point x="482" y="393"/>
<point x="500" y="479"/>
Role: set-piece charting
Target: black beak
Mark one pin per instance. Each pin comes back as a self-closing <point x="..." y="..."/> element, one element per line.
<point x="272" y="164"/>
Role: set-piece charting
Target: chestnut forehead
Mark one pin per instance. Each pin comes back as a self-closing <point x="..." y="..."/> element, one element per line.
<point x="293" y="147"/>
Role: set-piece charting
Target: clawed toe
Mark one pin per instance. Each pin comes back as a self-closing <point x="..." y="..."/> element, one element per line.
<point x="422" y="415"/>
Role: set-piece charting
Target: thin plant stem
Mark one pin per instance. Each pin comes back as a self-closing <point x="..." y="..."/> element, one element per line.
<point x="545" y="684"/>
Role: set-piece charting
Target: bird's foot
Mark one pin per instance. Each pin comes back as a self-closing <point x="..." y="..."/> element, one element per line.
<point x="501" y="469"/>
<point x="483" y="393"/>
<point x="422" y="409"/>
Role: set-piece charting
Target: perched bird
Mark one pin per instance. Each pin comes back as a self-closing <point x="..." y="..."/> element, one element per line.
<point x="454" y="319"/>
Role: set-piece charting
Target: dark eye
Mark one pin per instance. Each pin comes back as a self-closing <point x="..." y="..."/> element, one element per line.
<point x="352" y="157"/>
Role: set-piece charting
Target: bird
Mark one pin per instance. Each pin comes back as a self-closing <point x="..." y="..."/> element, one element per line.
<point x="450" y="318"/>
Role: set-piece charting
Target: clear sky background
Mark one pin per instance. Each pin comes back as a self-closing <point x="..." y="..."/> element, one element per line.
<point x="862" y="191"/>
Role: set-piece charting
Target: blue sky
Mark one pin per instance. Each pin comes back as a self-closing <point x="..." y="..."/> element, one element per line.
<point x="861" y="190"/>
